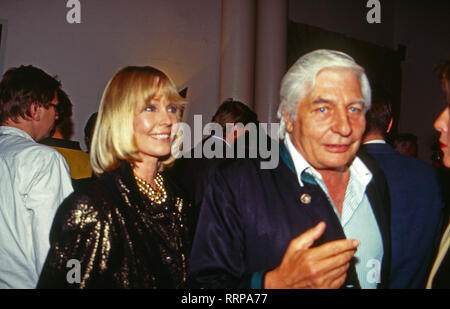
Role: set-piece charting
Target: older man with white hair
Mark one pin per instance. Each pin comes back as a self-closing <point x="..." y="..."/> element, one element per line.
<point x="320" y="219"/>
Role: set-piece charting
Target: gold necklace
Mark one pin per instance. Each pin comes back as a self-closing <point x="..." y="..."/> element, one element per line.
<point x="157" y="196"/>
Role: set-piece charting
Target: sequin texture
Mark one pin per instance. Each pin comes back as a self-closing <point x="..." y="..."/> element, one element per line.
<point x="120" y="238"/>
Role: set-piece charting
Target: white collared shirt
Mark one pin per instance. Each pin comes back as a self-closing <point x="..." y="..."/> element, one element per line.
<point x="376" y="141"/>
<point x="222" y="139"/>
<point x="34" y="180"/>
<point x="357" y="220"/>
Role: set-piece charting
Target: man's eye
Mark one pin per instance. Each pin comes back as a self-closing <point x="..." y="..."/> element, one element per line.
<point x="355" y="109"/>
<point x="322" y="109"/>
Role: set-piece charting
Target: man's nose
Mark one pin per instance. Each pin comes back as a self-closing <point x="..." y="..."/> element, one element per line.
<point x="342" y="124"/>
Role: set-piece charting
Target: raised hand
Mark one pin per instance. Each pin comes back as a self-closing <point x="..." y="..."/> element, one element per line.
<point x="304" y="267"/>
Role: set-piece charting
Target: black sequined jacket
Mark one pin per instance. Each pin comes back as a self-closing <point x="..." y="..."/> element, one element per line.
<point x="109" y="235"/>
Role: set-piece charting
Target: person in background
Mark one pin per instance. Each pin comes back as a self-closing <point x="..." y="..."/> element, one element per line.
<point x="199" y="170"/>
<point x="34" y="179"/>
<point x="89" y="130"/>
<point x="416" y="200"/>
<point x="439" y="277"/>
<point x="78" y="160"/>
<point x="406" y="144"/>
<point x="130" y="228"/>
<point x="232" y="112"/>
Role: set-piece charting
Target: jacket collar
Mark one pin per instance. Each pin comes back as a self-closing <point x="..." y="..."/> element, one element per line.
<point x="7" y="130"/>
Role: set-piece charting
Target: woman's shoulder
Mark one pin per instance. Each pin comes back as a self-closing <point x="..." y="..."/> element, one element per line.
<point x="98" y="188"/>
<point x="89" y="204"/>
<point x="174" y="184"/>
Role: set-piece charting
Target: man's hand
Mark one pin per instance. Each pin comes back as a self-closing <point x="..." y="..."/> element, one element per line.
<point x="304" y="267"/>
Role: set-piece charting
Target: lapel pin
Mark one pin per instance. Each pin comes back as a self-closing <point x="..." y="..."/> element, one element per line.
<point x="305" y="198"/>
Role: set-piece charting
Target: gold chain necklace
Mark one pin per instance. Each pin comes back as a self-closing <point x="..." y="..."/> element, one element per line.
<point x="159" y="196"/>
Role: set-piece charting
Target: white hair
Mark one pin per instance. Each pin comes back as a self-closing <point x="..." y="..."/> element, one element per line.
<point x="300" y="79"/>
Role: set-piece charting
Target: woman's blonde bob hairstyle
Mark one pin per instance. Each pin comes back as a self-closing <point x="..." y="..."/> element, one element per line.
<point x="126" y="95"/>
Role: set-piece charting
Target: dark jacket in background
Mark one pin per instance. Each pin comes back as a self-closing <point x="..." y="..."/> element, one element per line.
<point x="193" y="174"/>
<point x="416" y="214"/>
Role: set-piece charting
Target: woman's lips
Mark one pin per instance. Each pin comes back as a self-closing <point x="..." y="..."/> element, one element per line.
<point x="337" y="148"/>
<point x="161" y="136"/>
<point x="443" y="145"/>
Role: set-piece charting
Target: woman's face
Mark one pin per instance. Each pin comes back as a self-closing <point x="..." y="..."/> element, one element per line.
<point x="442" y="125"/>
<point x="153" y="128"/>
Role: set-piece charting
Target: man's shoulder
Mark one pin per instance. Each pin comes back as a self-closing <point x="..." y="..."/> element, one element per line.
<point x="247" y="170"/>
<point x="30" y="162"/>
<point x="42" y="153"/>
<point x="370" y="162"/>
<point x="408" y="165"/>
<point x="235" y="167"/>
<point x="419" y="164"/>
<point x="95" y="197"/>
<point x="29" y="151"/>
<point x="392" y="161"/>
<point x="82" y="209"/>
<point x="411" y="174"/>
<point x="418" y="172"/>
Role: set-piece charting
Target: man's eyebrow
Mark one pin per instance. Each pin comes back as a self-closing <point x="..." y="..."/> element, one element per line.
<point x="358" y="101"/>
<point x="321" y="100"/>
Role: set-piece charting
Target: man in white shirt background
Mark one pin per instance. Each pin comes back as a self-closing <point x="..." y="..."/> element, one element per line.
<point x="34" y="178"/>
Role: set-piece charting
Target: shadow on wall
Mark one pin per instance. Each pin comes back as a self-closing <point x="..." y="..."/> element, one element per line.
<point x="2" y="45"/>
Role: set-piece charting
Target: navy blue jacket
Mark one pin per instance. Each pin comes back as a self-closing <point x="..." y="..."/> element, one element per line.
<point x="416" y="214"/>
<point x="250" y="215"/>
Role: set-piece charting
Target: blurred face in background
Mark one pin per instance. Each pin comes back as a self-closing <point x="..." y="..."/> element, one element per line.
<point x="442" y="123"/>
<point x="47" y="119"/>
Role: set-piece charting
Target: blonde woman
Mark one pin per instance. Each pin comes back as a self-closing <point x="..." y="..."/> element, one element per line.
<point x="130" y="228"/>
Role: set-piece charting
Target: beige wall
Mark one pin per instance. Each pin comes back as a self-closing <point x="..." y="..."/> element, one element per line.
<point x="422" y="26"/>
<point x="180" y="37"/>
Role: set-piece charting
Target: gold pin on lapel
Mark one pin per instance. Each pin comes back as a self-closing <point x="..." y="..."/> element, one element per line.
<point x="305" y="198"/>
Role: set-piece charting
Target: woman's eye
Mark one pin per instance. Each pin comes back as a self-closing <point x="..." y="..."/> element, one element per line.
<point x="172" y="108"/>
<point x="150" y="108"/>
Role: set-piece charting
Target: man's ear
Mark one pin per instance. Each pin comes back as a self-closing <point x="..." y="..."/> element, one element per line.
<point x="390" y="125"/>
<point x="288" y="121"/>
<point x="35" y="112"/>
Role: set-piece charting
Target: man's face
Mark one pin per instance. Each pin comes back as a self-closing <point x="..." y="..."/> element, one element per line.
<point x="330" y="121"/>
<point x="47" y="119"/>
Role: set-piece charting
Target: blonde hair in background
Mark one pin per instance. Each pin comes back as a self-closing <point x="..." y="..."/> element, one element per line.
<point x="127" y="94"/>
